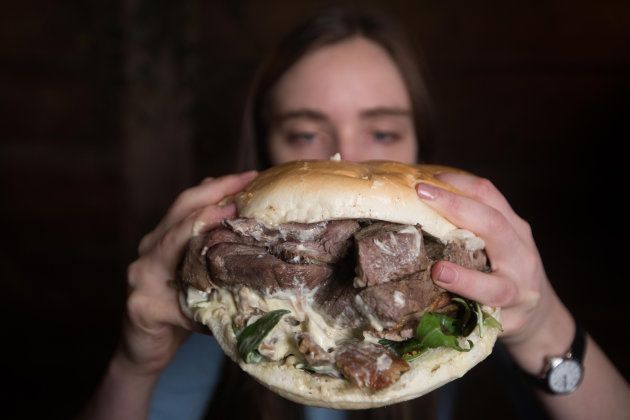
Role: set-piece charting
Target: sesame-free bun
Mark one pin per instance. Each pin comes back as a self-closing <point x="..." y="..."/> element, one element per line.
<point x="318" y="190"/>
<point x="432" y="370"/>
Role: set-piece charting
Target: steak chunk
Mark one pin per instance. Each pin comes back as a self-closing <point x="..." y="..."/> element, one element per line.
<point x="388" y="251"/>
<point x="369" y="365"/>
<point x="392" y="304"/>
<point x="457" y="253"/>
<point x="233" y="264"/>
<point x="314" y="354"/>
<point x="335" y="300"/>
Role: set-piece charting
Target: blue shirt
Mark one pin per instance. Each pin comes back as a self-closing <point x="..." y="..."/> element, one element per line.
<point x="186" y="386"/>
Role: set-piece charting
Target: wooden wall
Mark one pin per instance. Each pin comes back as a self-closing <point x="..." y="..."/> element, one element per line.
<point x="108" y="109"/>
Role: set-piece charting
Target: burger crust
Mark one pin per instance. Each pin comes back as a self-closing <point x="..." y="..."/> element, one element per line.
<point x="314" y="191"/>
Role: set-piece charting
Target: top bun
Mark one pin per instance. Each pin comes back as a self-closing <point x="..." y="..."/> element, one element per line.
<point x="310" y="191"/>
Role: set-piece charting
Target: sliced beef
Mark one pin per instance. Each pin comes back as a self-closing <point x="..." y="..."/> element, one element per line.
<point x="457" y="253"/>
<point x="329" y="247"/>
<point x="392" y="304"/>
<point x="388" y="251"/>
<point x="223" y="234"/>
<point x="300" y="232"/>
<point x="325" y="242"/>
<point x="369" y="365"/>
<point x="313" y="352"/>
<point x="233" y="264"/>
<point x="194" y="264"/>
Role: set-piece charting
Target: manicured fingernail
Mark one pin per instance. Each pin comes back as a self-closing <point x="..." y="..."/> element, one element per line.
<point x="248" y="174"/>
<point x="426" y="191"/>
<point x="446" y="275"/>
<point x="227" y="201"/>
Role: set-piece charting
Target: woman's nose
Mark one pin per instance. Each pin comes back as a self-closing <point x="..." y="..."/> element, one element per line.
<point x="347" y="148"/>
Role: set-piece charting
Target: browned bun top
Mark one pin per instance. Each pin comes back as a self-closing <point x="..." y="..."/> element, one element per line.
<point x="310" y="191"/>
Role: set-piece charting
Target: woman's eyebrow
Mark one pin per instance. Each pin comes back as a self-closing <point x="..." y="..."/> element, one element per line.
<point x="305" y="113"/>
<point x="386" y="111"/>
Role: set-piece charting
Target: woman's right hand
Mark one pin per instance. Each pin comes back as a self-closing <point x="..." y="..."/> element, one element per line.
<point x="154" y="325"/>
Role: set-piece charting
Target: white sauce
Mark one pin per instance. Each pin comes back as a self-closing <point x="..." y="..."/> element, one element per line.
<point x="366" y="312"/>
<point x="383" y="248"/>
<point x="383" y="362"/>
<point x="417" y="238"/>
<point x="280" y="341"/>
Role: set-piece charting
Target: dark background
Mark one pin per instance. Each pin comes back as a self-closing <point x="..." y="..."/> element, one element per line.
<point x="109" y="108"/>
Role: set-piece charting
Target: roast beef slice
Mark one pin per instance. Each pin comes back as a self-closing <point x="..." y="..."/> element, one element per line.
<point x="325" y="242"/>
<point x="233" y="264"/>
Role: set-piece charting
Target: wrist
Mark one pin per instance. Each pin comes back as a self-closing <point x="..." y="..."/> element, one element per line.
<point x="549" y="332"/>
<point x="121" y="366"/>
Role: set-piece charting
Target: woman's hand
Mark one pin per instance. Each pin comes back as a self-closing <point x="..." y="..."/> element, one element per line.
<point x="154" y="325"/>
<point x="535" y="322"/>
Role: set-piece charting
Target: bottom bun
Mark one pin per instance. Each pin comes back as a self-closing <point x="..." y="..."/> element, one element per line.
<point x="433" y="369"/>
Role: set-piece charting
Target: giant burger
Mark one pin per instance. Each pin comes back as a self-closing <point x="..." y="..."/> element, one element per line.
<point x="321" y="288"/>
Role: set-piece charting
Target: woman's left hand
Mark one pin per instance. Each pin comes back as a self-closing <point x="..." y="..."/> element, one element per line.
<point x="517" y="283"/>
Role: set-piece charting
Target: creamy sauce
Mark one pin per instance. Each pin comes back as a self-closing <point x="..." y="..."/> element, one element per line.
<point x="411" y="230"/>
<point x="280" y="341"/>
<point x="383" y="362"/>
<point x="384" y="248"/>
<point x="374" y="322"/>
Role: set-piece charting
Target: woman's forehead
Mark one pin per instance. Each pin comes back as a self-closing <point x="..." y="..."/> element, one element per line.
<point x="347" y="77"/>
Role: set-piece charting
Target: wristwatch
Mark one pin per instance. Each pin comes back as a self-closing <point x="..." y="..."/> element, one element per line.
<point x="562" y="374"/>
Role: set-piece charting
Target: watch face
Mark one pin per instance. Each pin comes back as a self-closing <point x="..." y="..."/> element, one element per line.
<point x="565" y="377"/>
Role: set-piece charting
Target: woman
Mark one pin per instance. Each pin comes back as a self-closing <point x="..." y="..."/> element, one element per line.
<point x="344" y="82"/>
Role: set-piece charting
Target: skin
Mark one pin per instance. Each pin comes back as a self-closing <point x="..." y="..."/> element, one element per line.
<point x="321" y="107"/>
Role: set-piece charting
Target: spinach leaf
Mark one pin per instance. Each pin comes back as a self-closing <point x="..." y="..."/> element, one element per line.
<point x="250" y="337"/>
<point x="329" y="370"/>
<point x="467" y="316"/>
<point x="437" y="330"/>
<point x="490" y="321"/>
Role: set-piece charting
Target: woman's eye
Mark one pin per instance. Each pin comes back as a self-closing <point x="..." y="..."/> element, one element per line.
<point x="302" y="137"/>
<point x="385" y="136"/>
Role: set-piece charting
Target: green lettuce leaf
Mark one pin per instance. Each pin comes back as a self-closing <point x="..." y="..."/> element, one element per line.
<point x="248" y="340"/>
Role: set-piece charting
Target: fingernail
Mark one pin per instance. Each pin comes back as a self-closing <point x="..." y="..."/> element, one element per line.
<point x="446" y="275"/>
<point x="426" y="191"/>
<point x="227" y="201"/>
<point x="248" y="174"/>
<point x="206" y="180"/>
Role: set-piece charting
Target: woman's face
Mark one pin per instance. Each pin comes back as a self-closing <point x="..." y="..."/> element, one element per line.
<point x="347" y="97"/>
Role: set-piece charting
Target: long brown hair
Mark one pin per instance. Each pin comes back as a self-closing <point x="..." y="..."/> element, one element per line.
<point x="237" y="395"/>
<point x="328" y="27"/>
